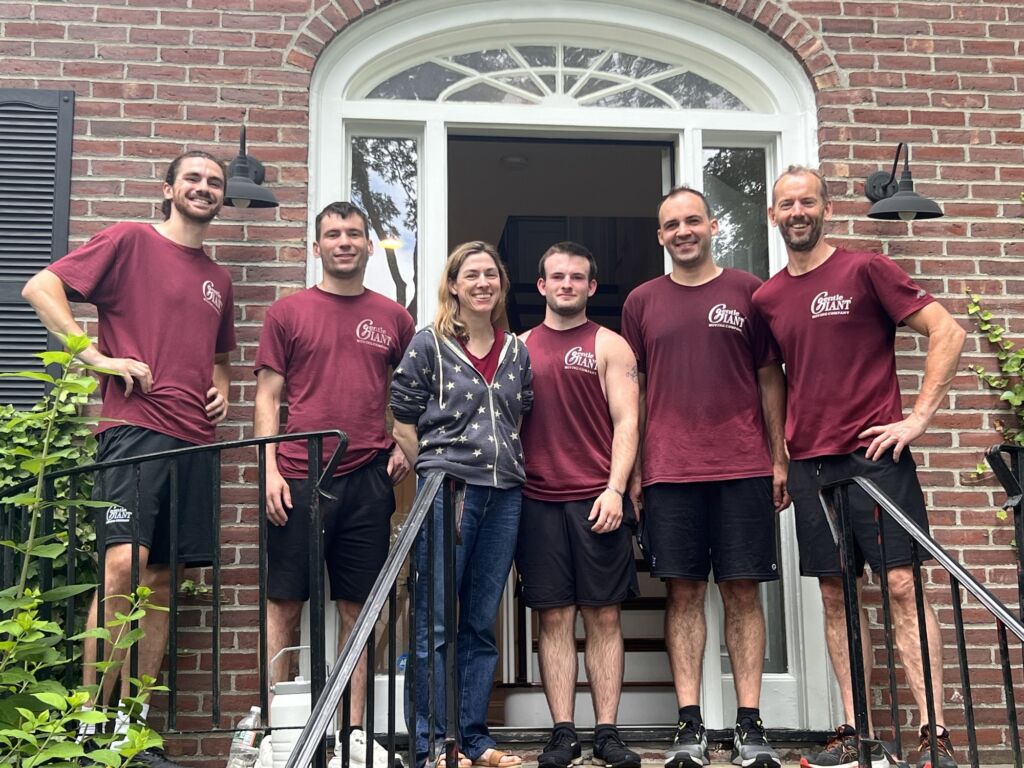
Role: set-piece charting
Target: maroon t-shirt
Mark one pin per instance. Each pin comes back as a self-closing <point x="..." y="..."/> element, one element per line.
<point x="836" y="326"/>
<point x="488" y="364"/>
<point x="336" y="354"/>
<point x="164" y="304"/>
<point x="567" y="437"/>
<point x="700" y="348"/>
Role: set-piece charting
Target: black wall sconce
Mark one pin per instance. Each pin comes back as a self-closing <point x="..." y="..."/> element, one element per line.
<point x="245" y="177"/>
<point x="892" y="201"/>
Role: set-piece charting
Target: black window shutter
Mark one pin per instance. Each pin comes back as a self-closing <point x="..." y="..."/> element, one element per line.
<point x="36" y="132"/>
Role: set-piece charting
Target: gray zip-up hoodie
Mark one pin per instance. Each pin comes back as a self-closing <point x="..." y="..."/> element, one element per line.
<point x="466" y="427"/>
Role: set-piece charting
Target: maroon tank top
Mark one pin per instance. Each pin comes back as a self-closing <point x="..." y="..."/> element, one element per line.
<point x="567" y="437"/>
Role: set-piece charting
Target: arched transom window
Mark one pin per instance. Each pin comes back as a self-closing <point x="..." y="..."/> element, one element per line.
<point x="562" y="75"/>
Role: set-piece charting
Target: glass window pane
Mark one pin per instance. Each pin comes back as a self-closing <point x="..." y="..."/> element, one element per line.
<point x="488" y="93"/>
<point x="633" y="66"/>
<point x="538" y="55"/>
<point x="569" y="81"/>
<point x="736" y="188"/>
<point x="696" y="92"/>
<point x="593" y="85"/>
<point x="424" y="82"/>
<point x="498" y="60"/>
<point x="549" y="82"/>
<point x="385" y="177"/>
<point x="523" y="82"/>
<point x="580" y="58"/>
<point x="634" y="97"/>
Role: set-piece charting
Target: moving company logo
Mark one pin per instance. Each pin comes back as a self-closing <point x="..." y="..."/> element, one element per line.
<point x="824" y="305"/>
<point x="579" y="360"/>
<point x="212" y="296"/>
<point x="720" y="316"/>
<point x="117" y="514"/>
<point x="374" y="335"/>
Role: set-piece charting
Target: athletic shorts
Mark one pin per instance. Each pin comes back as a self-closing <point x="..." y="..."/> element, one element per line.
<point x="149" y="505"/>
<point x="728" y="526"/>
<point x="819" y="555"/>
<point x="562" y="562"/>
<point x="356" y="531"/>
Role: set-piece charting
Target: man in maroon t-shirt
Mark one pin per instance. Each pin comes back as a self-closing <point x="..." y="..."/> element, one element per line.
<point x="153" y="286"/>
<point x="712" y="468"/>
<point x="575" y="548"/>
<point x="834" y="313"/>
<point x="329" y="350"/>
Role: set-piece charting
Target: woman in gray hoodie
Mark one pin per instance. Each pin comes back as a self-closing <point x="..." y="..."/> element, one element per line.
<point x="458" y="397"/>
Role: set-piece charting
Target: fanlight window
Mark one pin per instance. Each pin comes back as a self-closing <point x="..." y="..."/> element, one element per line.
<point x="557" y="75"/>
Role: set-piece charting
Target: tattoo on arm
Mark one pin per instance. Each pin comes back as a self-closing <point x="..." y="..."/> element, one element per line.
<point x="632" y="374"/>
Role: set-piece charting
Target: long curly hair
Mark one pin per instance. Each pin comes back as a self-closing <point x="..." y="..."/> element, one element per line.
<point x="447" y="321"/>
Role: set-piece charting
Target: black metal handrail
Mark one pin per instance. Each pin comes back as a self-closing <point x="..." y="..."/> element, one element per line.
<point x="13" y="519"/>
<point x="1012" y="480"/>
<point x="835" y="501"/>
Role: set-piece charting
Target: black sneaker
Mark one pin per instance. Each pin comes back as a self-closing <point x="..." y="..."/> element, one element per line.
<point x="689" y="748"/>
<point x="841" y="752"/>
<point x="562" y="750"/>
<point x="154" y="757"/>
<point x="610" y="750"/>
<point x="750" y="747"/>
<point x="943" y="748"/>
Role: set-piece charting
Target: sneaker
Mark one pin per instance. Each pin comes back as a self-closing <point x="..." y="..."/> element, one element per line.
<point x="689" y="748"/>
<point x="612" y="752"/>
<point x="154" y="757"/>
<point x="357" y="752"/>
<point x="943" y="748"/>
<point x="562" y="750"/>
<point x="841" y="752"/>
<point x="750" y="747"/>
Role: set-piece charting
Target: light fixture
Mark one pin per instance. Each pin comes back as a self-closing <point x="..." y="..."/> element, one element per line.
<point x="391" y="243"/>
<point x="892" y="202"/>
<point x="245" y="175"/>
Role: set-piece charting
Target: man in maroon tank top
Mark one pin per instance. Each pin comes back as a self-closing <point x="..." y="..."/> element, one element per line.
<point x="575" y="548"/>
<point x="712" y="468"/>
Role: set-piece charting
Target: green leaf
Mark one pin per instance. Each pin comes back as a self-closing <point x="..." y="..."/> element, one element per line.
<point x="91" y="717"/>
<point x="106" y="757"/>
<point x="56" y="357"/>
<point x="63" y="593"/>
<point x="52" y="700"/>
<point x="130" y="638"/>
<point x="37" y="375"/>
<point x="48" y="551"/>
<point x="19" y="735"/>
<point x="76" y="343"/>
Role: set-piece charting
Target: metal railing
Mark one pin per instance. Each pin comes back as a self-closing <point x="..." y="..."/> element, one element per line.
<point x="1011" y="477"/>
<point x="14" y="526"/>
<point x="835" y="500"/>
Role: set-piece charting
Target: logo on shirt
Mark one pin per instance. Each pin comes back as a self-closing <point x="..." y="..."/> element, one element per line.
<point x="212" y="296"/>
<point x="579" y="360"/>
<point x="721" y="316"/>
<point x="824" y="305"/>
<point x="374" y="335"/>
<point x="118" y="514"/>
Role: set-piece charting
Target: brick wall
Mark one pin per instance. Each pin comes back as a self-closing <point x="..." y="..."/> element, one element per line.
<point x="153" y="77"/>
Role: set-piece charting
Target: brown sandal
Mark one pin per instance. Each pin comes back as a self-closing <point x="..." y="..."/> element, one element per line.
<point x="464" y="762"/>
<point x="495" y="758"/>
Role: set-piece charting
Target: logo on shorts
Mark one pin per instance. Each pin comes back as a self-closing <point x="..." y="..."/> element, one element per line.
<point x="212" y="296"/>
<point x="118" y="514"/>
<point x="374" y="335"/>
<point x="825" y="305"/>
<point x="579" y="360"/>
<point x="721" y="316"/>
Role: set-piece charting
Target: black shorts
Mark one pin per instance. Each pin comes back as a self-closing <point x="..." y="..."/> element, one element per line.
<point x="149" y="505"/>
<point x="562" y="562"/>
<point x="356" y="531"/>
<point x="729" y="526"/>
<point x="819" y="555"/>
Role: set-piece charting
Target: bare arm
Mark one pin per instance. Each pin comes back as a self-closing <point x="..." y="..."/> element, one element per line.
<point x="617" y="364"/>
<point x="636" y="477"/>
<point x="945" y="340"/>
<point x="45" y="293"/>
<point x="266" y="423"/>
<point x="407" y="439"/>
<point x="217" y="395"/>
<point x="772" y="385"/>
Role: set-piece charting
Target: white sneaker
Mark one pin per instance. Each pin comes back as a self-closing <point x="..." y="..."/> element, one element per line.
<point x="357" y="751"/>
<point x="266" y="759"/>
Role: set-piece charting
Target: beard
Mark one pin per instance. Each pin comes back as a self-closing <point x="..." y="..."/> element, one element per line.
<point x="567" y="310"/>
<point x="805" y="242"/>
<point x="181" y="206"/>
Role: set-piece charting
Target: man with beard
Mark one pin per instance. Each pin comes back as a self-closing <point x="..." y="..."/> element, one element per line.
<point x="835" y="314"/>
<point x="575" y="549"/>
<point x="166" y="326"/>
<point x="712" y="467"/>
<point x="329" y="350"/>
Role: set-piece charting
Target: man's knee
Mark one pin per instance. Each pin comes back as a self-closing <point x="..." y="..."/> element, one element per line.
<point x="684" y="593"/>
<point x="603" y="620"/>
<point x="740" y="596"/>
<point x="284" y="613"/>
<point x="832" y="595"/>
<point x="901" y="585"/>
<point x="557" y="619"/>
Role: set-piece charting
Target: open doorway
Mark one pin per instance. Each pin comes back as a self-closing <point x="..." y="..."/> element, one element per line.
<point x="524" y="195"/>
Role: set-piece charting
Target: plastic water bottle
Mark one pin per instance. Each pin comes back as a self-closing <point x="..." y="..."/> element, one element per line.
<point x="245" y="751"/>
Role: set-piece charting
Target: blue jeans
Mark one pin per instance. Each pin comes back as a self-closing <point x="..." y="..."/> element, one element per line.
<point x="490" y="523"/>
